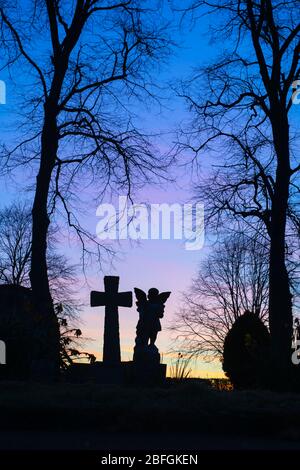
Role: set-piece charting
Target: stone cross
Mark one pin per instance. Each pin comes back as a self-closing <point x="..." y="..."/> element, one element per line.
<point x="111" y="299"/>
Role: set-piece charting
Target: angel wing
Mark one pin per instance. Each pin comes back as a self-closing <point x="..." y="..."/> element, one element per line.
<point x="140" y="295"/>
<point x="163" y="297"/>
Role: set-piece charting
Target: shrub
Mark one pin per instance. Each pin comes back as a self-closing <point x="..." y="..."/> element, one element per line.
<point x="246" y="352"/>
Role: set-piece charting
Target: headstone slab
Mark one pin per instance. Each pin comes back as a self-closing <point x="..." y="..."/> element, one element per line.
<point x="125" y="373"/>
<point x="17" y="322"/>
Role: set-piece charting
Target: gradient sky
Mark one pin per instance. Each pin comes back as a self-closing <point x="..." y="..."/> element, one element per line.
<point x="165" y="264"/>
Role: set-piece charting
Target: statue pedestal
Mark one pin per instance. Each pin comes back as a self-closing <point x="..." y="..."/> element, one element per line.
<point x="146" y="366"/>
<point x="148" y="374"/>
<point x="148" y="355"/>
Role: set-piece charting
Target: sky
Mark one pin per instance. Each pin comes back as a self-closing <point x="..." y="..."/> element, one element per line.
<point x="164" y="264"/>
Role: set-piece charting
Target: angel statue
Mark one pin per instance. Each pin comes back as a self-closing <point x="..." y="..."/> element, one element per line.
<point x="151" y="310"/>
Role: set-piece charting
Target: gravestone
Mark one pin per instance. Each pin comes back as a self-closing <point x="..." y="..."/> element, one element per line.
<point x="111" y="369"/>
<point x="16" y="331"/>
<point x="26" y="337"/>
<point x="111" y="299"/>
<point x="145" y="367"/>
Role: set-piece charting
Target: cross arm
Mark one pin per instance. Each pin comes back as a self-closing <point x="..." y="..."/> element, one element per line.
<point x="122" y="299"/>
<point x="125" y="299"/>
<point x="98" y="298"/>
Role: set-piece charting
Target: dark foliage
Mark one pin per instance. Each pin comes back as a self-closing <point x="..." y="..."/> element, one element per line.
<point x="246" y="352"/>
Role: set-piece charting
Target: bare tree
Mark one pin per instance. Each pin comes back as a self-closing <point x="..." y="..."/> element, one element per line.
<point x="15" y="256"/>
<point x="87" y="60"/>
<point x="15" y="245"/>
<point x="233" y="279"/>
<point x="249" y="110"/>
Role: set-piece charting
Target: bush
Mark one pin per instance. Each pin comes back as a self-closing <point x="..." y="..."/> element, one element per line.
<point x="246" y="352"/>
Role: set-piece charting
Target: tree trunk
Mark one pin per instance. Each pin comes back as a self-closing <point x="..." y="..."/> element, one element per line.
<point x="48" y="335"/>
<point x="46" y="360"/>
<point x="280" y="302"/>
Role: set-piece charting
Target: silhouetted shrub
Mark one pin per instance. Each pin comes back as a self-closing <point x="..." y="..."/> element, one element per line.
<point x="246" y="352"/>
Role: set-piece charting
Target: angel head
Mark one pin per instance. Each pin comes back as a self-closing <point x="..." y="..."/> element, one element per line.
<point x="153" y="294"/>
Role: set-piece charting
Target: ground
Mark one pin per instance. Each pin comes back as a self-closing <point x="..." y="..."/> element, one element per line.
<point x="185" y="416"/>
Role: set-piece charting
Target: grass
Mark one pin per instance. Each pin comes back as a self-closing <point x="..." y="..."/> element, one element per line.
<point x="190" y="406"/>
<point x="180" y="369"/>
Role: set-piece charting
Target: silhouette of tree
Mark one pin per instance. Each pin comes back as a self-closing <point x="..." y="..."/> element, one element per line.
<point x="86" y="60"/>
<point x="248" y="107"/>
<point x="232" y="279"/>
